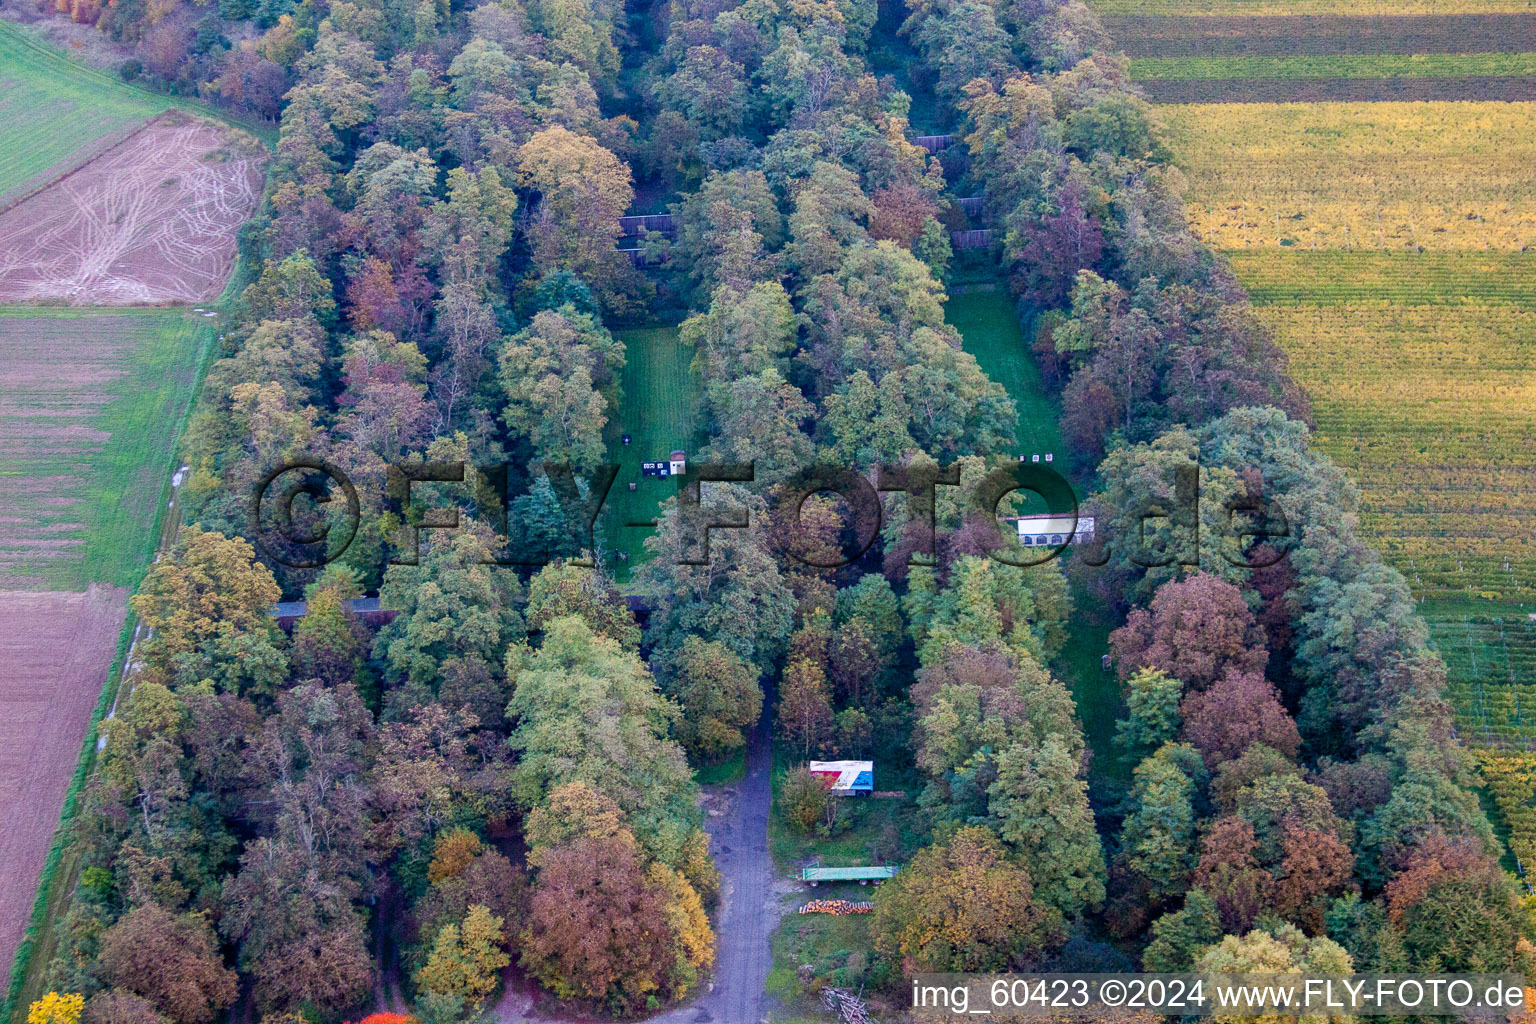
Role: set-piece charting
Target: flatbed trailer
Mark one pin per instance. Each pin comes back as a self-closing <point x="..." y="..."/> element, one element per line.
<point x="862" y="875"/>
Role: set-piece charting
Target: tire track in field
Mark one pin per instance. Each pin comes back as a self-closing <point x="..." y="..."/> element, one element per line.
<point x="151" y="221"/>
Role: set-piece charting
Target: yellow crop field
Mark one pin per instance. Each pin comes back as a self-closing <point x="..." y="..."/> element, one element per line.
<point x="1394" y="176"/>
<point x="1432" y="408"/>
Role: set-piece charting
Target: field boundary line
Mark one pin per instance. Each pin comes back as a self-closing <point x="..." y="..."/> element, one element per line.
<point x="100" y="148"/>
<point x="164" y="533"/>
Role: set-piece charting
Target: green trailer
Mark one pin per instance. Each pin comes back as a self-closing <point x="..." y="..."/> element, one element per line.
<point x="862" y="875"/>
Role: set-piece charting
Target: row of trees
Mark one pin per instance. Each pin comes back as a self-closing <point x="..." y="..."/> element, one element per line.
<point x="434" y="255"/>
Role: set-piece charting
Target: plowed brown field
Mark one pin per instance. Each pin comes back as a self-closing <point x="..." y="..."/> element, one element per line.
<point x="152" y="220"/>
<point x="55" y="652"/>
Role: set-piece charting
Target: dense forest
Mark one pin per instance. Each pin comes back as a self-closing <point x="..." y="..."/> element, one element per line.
<point x="504" y="773"/>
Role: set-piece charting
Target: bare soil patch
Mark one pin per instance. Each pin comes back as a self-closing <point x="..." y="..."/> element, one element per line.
<point x="1253" y="36"/>
<point x="152" y="220"/>
<point x="55" y="652"/>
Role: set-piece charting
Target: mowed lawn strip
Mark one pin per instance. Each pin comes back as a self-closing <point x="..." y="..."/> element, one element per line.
<point x="1403" y="176"/>
<point x="659" y="412"/>
<point x="1425" y="65"/>
<point x="989" y="330"/>
<point x="91" y="405"/>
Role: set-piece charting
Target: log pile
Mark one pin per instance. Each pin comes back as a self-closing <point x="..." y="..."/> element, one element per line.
<point x="849" y="1008"/>
<point x="836" y="907"/>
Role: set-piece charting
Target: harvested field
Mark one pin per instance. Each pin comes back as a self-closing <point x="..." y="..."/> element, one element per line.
<point x="55" y="653"/>
<point x="1288" y="277"/>
<point x="90" y="406"/>
<point x="1274" y="10"/>
<point x="1404" y="176"/>
<point x="151" y="221"/>
<point x="1340" y="90"/>
<point x="1239" y="36"/>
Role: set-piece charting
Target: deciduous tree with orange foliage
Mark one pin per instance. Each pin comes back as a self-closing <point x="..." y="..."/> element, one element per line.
<point x="962" y="905"/>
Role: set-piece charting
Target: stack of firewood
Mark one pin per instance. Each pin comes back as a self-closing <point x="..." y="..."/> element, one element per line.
<point x="836" y="907"/>
<point x="849" y="1008"/>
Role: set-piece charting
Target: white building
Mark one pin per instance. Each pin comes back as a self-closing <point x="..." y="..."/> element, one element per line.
<point x="1052" y="530"/>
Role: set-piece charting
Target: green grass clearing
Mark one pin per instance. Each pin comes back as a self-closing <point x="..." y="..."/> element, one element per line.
<point x="868" y="831"/>
<point x="93" y="405"/>
<point x="659" y="412"/>
<point x="1370" y="65"/>
<point x="1097" y="693"/>
<point x="724" y="772"/>
<point x="990" y="331"/>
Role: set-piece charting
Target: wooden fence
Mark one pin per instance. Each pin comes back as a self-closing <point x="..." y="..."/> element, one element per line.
<point x="934" y="143"/>
<point x="976" y="238"/>
<point x="639" y="224"/>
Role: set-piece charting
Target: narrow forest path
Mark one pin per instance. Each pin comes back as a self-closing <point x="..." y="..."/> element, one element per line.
<point x="750" y="904"/>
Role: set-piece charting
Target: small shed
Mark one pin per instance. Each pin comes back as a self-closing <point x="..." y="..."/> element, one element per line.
<point x="287" y="613"/>
<point x="844" y="777"/>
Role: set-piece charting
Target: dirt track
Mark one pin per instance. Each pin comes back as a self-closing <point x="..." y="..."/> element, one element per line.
<point x="152" y="220"/>
<point x="55" y="652"/>
<point x="750" y="903"/>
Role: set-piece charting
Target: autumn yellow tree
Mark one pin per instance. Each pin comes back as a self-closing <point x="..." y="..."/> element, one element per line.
<point x="962" y="905"/>
<point x="453" y="852"/>
<point x="693" y="940"/>
<point x="467" y="959"/>
<point x="581" y="190"/>
<point x="56" y="1008"/>
<point x="210" y="585"/>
